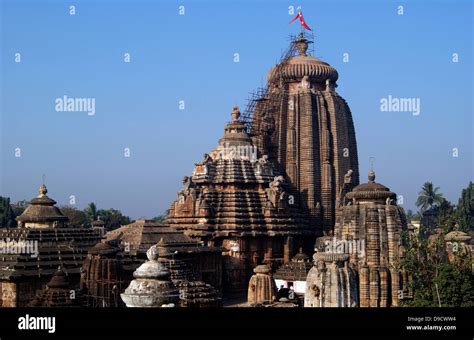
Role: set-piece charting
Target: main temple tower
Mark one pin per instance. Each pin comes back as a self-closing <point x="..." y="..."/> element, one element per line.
<point x="307" y="128"/>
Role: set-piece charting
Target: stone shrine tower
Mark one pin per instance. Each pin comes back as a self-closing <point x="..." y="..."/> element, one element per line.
<point x="372" y="223"/>
<point x="236" y="199"/>
<point x="42" y="213"/>
<point x="304" y="125"/>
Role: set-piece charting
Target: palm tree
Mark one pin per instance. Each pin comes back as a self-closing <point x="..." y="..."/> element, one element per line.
<point x="429" y="197"/>
<point x="91" y="212"/>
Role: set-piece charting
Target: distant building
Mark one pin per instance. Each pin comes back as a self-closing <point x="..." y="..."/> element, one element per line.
<point x="32" y="252"/>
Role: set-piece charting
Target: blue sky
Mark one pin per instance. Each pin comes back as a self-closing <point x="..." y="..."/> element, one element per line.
<point x="191" y="58"/>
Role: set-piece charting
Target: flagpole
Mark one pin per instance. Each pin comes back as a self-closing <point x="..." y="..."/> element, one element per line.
<point x="301" y="26"/>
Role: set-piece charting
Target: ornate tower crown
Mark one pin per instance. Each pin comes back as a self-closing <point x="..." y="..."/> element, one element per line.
<point x="42" y="190"/>
<point x="235" y="114"/>
<point x="302" y="45"/>
<point x="371" y="176"/>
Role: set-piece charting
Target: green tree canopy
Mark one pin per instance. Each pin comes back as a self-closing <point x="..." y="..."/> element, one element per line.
<point x="465" y="208"/>
<point x="91" y="212"/>
<point x="436" y="281"/>
<point x="19" y="207"/>
<point x="113" y="218"/>
<point x="77" y="218"/>
<point x="160" y="218"/>
<point x="7" y="215"/>
<point x="428" y="197"/>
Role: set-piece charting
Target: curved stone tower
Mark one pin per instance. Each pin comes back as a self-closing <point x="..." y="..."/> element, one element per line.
<point x="371" y="225"/>
<point x="307" y="128"/>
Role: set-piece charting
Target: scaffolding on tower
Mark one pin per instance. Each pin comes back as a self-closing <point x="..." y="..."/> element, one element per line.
<point x="261" y="98"/>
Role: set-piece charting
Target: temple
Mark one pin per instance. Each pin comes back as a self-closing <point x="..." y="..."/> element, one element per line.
<point x="274" y="215"/>
<point x="276" y="179"/>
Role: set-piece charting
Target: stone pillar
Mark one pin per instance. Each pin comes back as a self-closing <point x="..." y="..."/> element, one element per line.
<point x="262" y="288"/>
<point x="395" y="286"/>
<point x="384" y="287"/>
<point x="364" y="286"/>
<point x="374" y="278"/>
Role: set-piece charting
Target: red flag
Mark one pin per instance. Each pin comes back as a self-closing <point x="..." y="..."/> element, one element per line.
<point x="302" y="22"/>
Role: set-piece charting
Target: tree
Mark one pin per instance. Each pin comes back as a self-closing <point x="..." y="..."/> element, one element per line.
<point x="113" y="218"/>
<point x="454" y="285"/>
<point x="428" y="197"/>
<point x="436" y="281"/>
<point x="465" y="208"/>
<point x="446" y="214"/>
<point x="160" y="218"/>
<point x="411" y="215"/>
<point x="7" y="215"/>
<point x="77" y="218"/>
<point x="91" y="212"/>
<point x="19" y="207"/>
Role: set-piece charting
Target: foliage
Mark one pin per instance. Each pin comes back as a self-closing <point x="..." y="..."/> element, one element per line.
<point x="160" y="218"/>
<point x="434" y="279"/>
<point x="465" y="208"/>
<point x="19" y="207"/>
<point x="446" y="216"/>
<point x="428" y="197"/>
<point x="113" y="218"/>
<point x="77" y="218"/>
<point x="91" y="212"/>
<point x="7" y="215"/>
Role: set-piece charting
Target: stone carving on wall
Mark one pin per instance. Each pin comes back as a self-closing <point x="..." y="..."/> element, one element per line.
<point x="345" y="188"/>
<point x="264" y="166"/>
<point x="305" y="83"/>
<point x="276" y="192"/>
<point x="183" y="193"/>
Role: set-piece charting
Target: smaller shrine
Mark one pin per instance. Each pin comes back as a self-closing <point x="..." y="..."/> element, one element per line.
<point x="58" y="293"/>
<point x="152" y="286"/>
<point x="262" y="288"/>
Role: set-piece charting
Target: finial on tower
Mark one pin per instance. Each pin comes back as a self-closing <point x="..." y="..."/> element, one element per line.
<point x="371" y="172"/>
<point x="42" y="190"/>
<point x="371" y="176"/>
<point x="302" y="44"/>
<point x="235" y="113"/>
